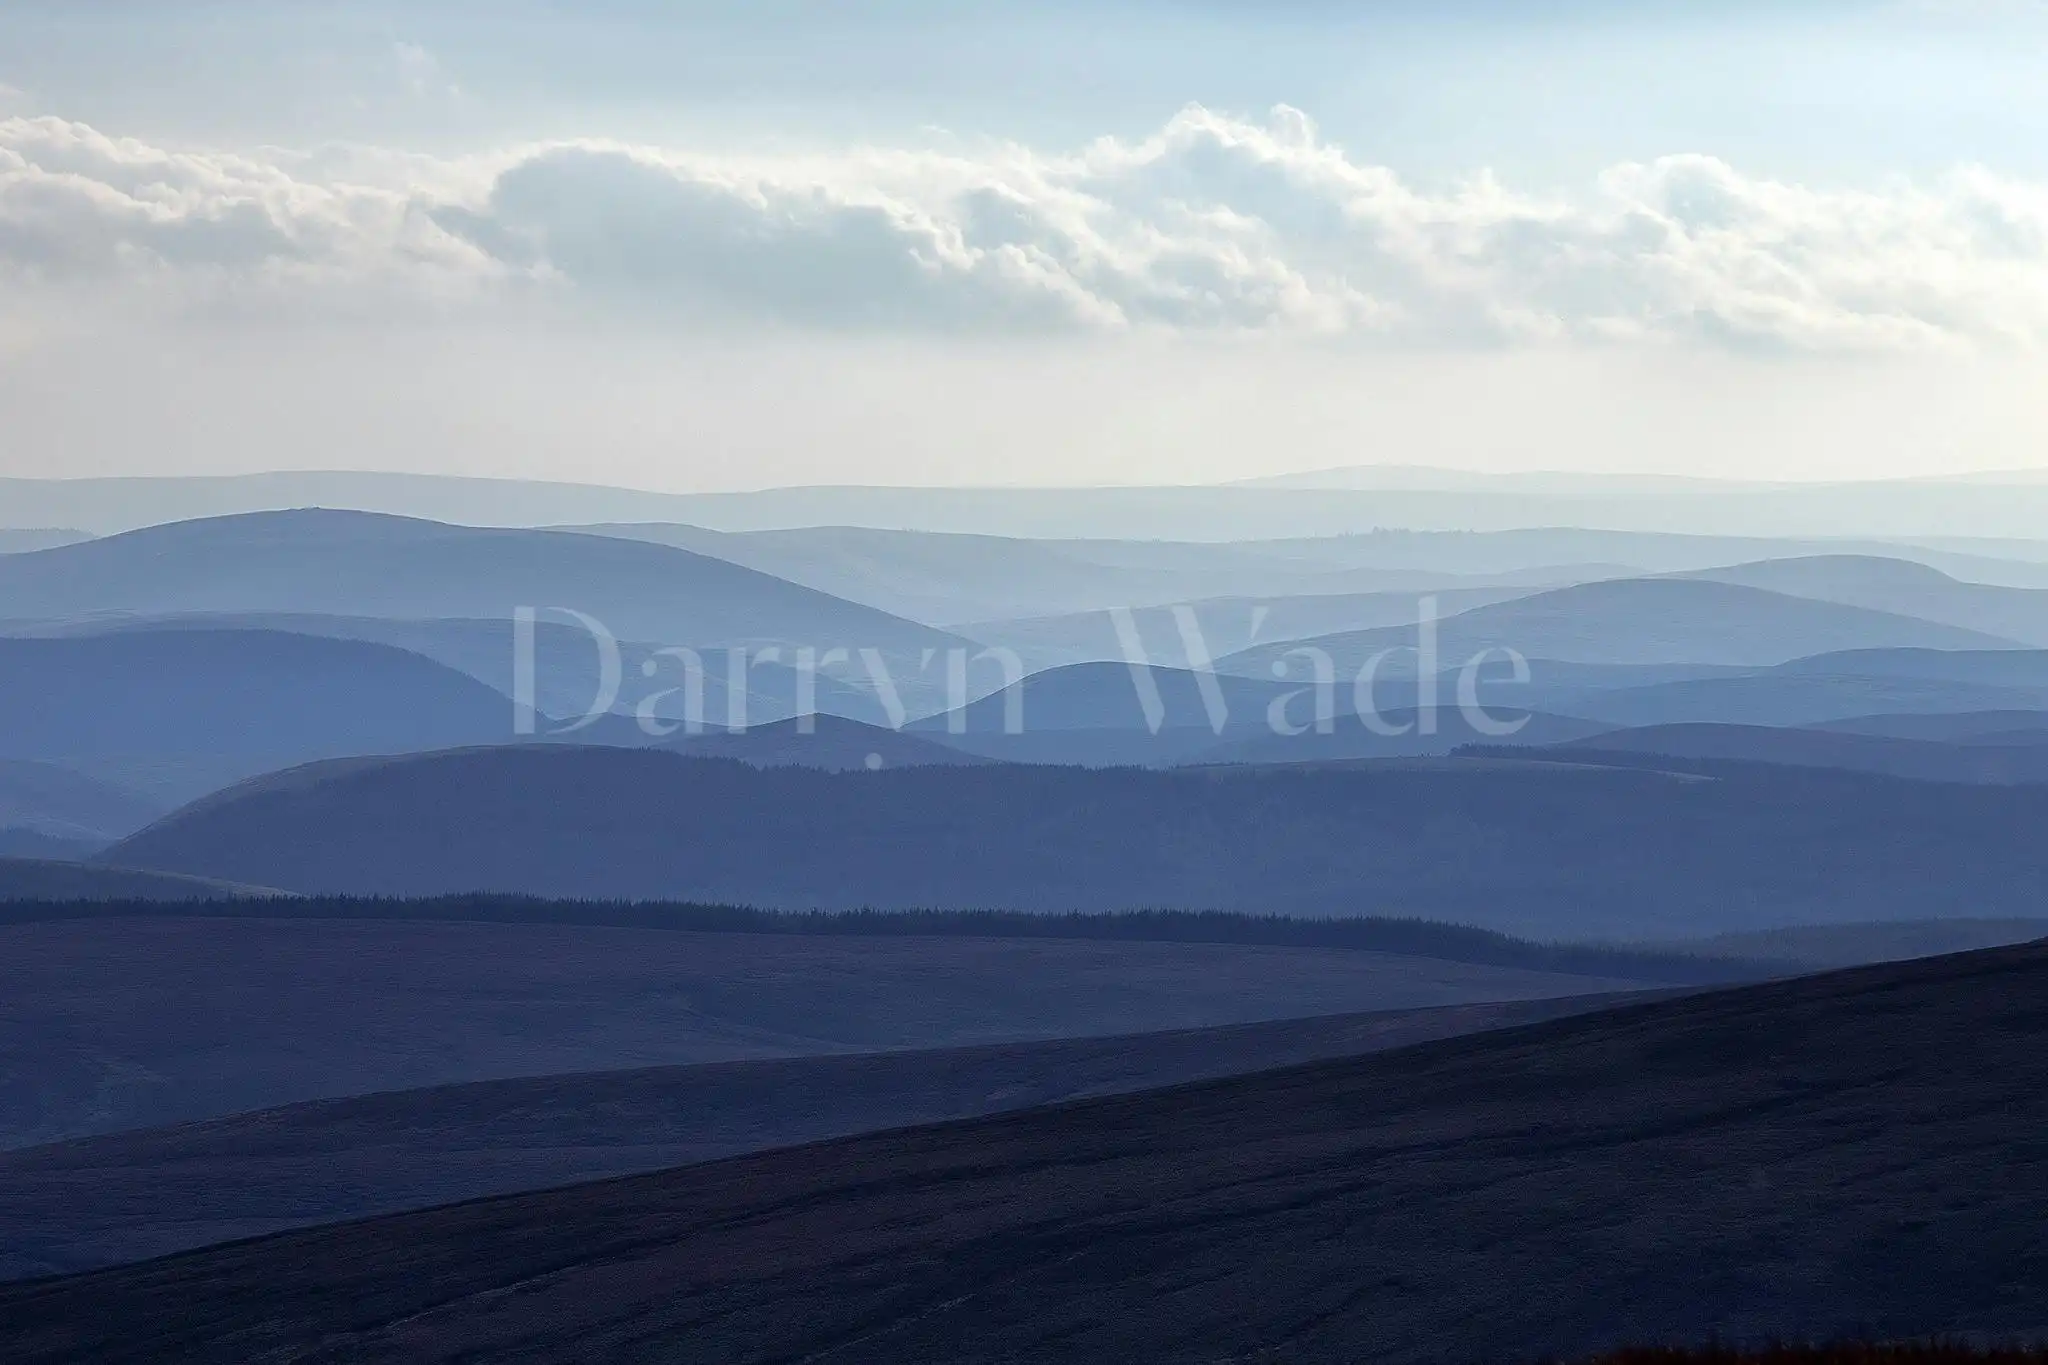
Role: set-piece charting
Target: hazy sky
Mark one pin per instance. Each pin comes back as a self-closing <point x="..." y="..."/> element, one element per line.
<point x="689" y="245"/>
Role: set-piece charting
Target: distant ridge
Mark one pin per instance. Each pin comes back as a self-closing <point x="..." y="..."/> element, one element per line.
<point x="1883" y="509"/>
<point x="1429" y="478"/>
<point x="1903" y="587"/>
<point x="1822" y="692"/>
<point x="1667" y="965"/>
<point x="62" y="804"/>
<point x="1971" y="727"/>
<point x="1922" y="760"/>
<point x="25" y="540"/>
<point x="111" y="505"/>
<point x="1641" y="621"/>
<point x="35" y="846"/>
<point x="833" y="743"/>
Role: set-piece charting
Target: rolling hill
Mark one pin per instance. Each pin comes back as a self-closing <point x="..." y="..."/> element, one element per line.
<point x="1112" y="696"/>
<point x="1852" y="945"/>
<point x="1913" y="509"/>
<point x="1110" y="715"/>
<point x="110" y="505"/>
<point x="1424" y="735"/>
<point x="1924" y="760"/>
<point x="1903" y="587"/>
<point x="947" y="577"/>
<point x="175" y="713"/>
<point x="1544" y="849"/>
<point x="953" y="578"/>
<point x="1845" y="1155"/>
<point x="1496" y="554"/>
<point x="358" y="564"/>
<point x="1227" y="625"/>
<point x="1972" y="727"/>
<point x="1641" y="621"/>
<point x="100" y="1201"/>
<point x="46" y="799"/>
<point x="1819" y="689"/>
<point x="833" y="743"/>
<point x="2015" y="668"/>
<point x="568" y="664"/>
<point x="130" y="1016"/>
<point x="1794" y="698"/>
<point x="47" y="848"/>
<point x="1868" y="509"/>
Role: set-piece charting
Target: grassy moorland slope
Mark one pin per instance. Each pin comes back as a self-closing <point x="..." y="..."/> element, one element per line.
<point x="124" y="1022"/>
<point x="98" y="1201"/>
<point x="1851" y="1154"/>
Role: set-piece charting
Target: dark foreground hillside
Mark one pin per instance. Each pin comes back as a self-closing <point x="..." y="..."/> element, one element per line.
<point x="128" y="1196"/>
<point x="1838" y="1353"/>
<point x="1859" y="1154"/>
<point x="111" y="1022"/>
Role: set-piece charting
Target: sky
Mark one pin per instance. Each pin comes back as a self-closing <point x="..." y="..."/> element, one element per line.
<point x="708" y="246"/>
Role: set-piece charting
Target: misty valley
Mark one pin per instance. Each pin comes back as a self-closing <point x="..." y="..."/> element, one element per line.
<point x="1167" y="682"/>
<point x="358" y="864"/>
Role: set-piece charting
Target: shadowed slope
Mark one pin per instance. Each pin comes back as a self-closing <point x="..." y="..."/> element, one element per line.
<point x="174" y="713"/>
<point x="1546" y="850"/>
<point x="1854" y="1153"/>
<point x="257" y="693"/>
<point x="129" y="1022"/>
<point x="1852" y="945"/>
<point x="100" y="1201"/>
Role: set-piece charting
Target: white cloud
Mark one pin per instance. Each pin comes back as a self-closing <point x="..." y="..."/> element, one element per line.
<point x="76" y="205"/>
<point x="1212" y="224"/>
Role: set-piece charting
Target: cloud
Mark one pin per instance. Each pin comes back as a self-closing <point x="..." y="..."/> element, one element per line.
<point x="76" y="205"/>
<point x="712" y="245"/>
<point x="1213" y="224"/>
